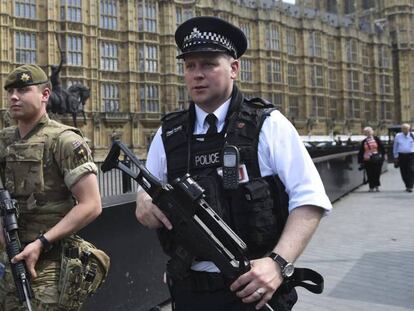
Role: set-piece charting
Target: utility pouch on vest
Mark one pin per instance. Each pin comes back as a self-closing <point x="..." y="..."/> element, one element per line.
<point x="24" y="169"/>
<point x="261" y="226"/>
<point x="84" y="268"/>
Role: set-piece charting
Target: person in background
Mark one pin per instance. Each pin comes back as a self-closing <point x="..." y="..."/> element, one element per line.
<point x="371" y="156"/>
<point x="403" y="150"/>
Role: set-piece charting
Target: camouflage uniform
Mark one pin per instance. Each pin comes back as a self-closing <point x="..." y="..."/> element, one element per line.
<point x="38" y="171"/>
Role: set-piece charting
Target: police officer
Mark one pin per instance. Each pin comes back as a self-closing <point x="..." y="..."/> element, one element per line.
<point x="47" y="167"/>
<point x="270" y="151"/>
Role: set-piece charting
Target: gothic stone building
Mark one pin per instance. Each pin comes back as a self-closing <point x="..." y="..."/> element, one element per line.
<point x="327" y="65"/>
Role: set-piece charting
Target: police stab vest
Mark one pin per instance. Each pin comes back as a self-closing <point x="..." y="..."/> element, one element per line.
<point x="258" y="209"/>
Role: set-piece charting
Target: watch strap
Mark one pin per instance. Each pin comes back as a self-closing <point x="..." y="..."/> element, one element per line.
<point x="45" y="242"/>
<point x="286" y="267"/>
<point x="278" y="259"/>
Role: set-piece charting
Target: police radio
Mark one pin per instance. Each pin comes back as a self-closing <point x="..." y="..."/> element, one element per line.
<point x="231" y="159"/>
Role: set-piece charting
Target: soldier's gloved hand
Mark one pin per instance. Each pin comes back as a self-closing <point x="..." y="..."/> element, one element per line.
<point x="30" y="255"/>
<point x="149" y="214"/>
<point x="260" y="283"/>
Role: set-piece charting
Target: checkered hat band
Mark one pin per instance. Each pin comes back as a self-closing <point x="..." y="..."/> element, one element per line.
<point x="200" y="38"/>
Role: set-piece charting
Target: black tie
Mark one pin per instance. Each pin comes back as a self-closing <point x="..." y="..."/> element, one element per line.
<point x="211" y="121"/>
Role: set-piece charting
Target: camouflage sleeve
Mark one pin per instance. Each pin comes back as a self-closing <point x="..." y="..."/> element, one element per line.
<point x="73" y="157"/>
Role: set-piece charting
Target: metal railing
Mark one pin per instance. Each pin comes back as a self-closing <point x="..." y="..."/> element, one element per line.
<point x="115" y="182"/>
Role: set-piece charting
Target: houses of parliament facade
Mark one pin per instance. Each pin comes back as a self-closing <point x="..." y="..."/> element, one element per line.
<point x="330" y="66"/>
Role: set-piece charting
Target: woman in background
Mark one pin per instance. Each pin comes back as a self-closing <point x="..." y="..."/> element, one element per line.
<point x="371" y="156"/>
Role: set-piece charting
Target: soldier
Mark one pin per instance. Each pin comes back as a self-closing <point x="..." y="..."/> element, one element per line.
<point x="48" y="168"/>
<point x="271" y="151"/>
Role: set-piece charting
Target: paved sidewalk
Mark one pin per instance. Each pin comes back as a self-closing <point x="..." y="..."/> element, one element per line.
<point x="365" y="251"/>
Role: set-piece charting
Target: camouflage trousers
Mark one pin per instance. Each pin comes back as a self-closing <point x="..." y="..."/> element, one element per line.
<point x="45" y="288"/>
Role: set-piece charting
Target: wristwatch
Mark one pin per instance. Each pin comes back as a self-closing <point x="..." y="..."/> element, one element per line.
<point x="287" y="268"/>
<point x="47" y="246"/>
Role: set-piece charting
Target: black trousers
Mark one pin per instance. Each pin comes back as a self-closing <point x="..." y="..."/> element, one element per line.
<point x="200" y="292"/>
<point x="406" y="162"/>
<point x="373" y="170"/>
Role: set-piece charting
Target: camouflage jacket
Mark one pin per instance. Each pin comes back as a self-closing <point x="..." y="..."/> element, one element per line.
<point x="39" y="169"/>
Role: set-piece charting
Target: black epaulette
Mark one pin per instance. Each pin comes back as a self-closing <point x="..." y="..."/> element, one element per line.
<point x="260" y="102"/>
<point x="172" y="115"/>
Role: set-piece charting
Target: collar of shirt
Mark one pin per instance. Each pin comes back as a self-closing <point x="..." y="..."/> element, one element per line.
<point x="221" y="112"/>
<point x="42" y="121"/>
<point x="402" y="135"/>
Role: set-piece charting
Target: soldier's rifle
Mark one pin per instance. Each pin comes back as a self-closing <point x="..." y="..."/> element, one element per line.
<point x="9" y="216"/>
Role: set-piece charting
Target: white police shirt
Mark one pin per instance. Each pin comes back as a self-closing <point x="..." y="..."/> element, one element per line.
<point x="280" y="152"/>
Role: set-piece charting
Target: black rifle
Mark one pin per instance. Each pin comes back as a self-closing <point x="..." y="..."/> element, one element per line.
<point x="9" y="215"/>
<point x="197" y="226"/>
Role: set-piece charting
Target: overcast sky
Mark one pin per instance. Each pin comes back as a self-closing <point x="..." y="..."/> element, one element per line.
<point x="290" y="1"/>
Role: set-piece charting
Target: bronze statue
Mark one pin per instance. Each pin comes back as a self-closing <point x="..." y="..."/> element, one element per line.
<point x="71" y="100"/>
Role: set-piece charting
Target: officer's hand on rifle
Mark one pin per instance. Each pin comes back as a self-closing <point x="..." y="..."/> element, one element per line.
<point x="148" y="214"/>
<point x="259" y="283"/>
<point x="30" y="255"/>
